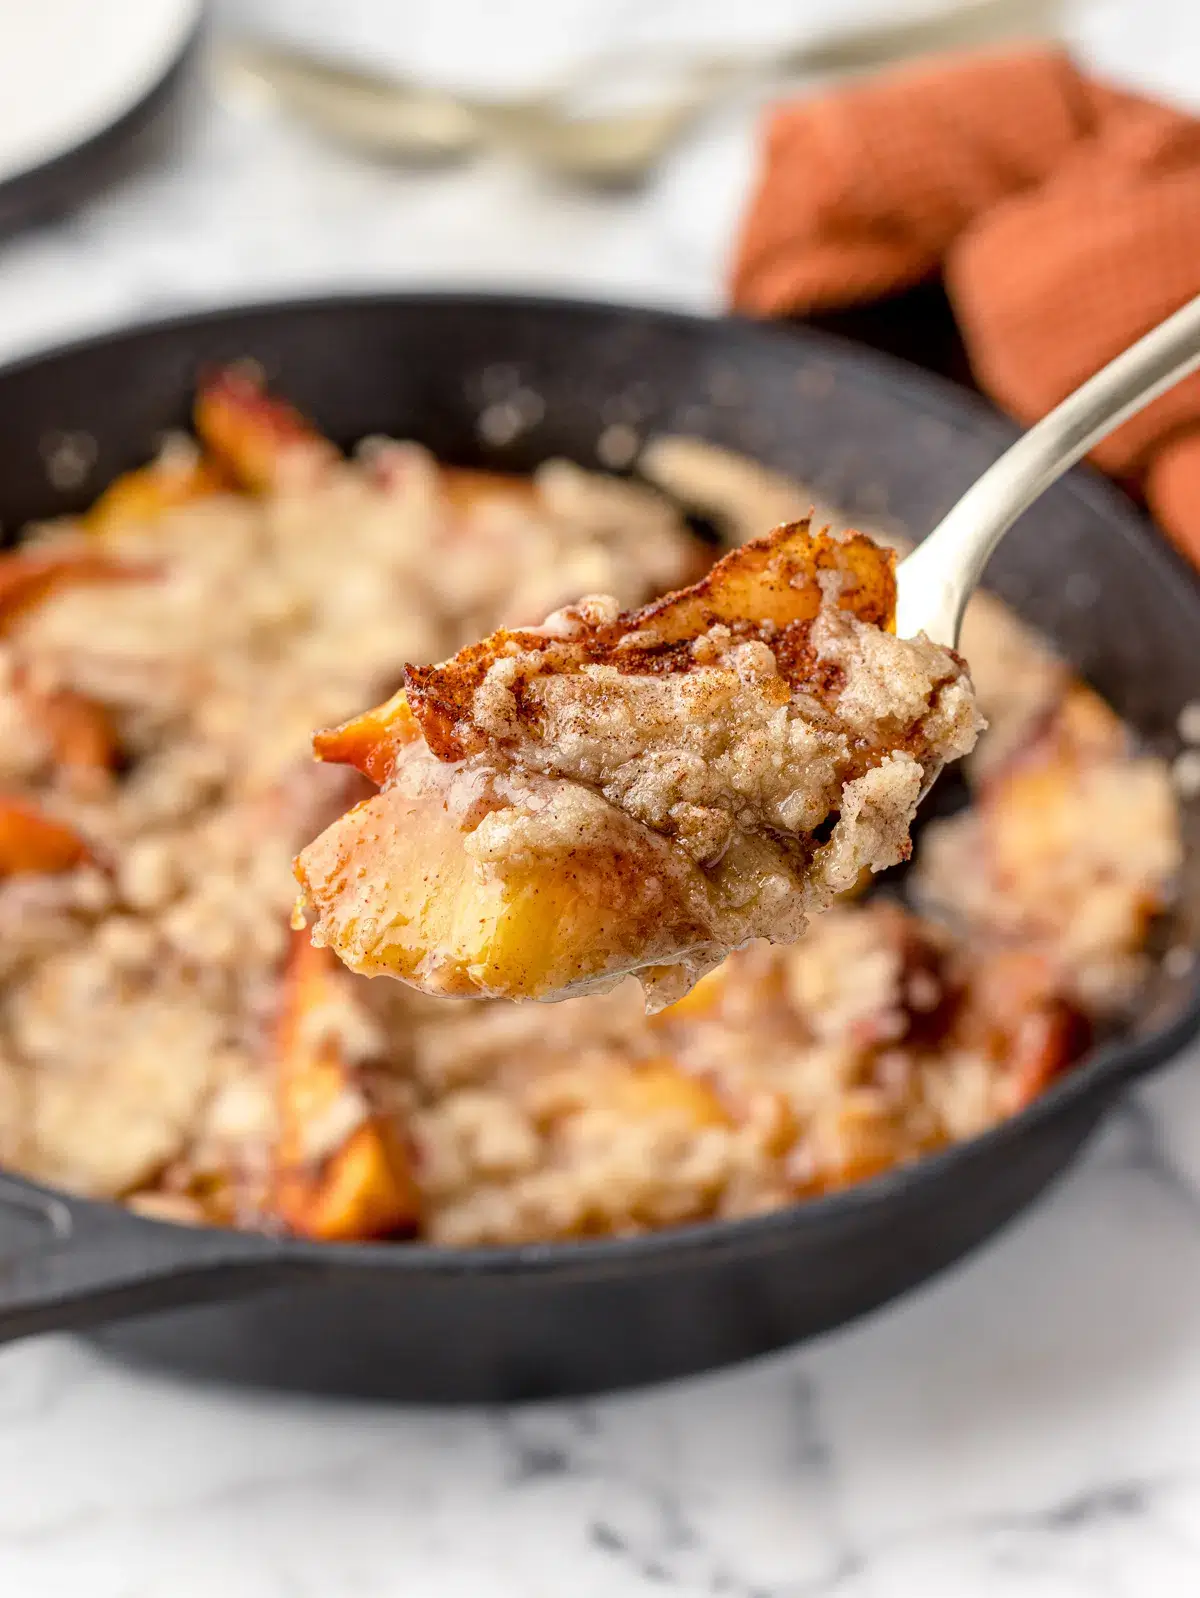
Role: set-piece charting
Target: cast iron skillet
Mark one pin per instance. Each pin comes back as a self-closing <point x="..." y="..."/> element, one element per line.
<point x="878" y="437"/>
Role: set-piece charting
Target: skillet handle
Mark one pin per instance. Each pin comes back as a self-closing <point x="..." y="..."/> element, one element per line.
<point x="66" y="1265"/>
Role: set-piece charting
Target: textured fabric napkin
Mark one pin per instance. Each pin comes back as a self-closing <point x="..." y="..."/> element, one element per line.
<point x="1062" y="214"/>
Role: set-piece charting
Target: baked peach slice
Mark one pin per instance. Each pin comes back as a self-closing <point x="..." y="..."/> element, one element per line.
<point x="78" y="730"/>
<point x="139" y="498"/>
<point x="399" y="893"/>
<point x="1015" y="1011"/>
<point x="81" y="737"/>
<point x="638" y="792"/>
<point x="29" y="575"/>
<point x="342" y="1173"/>
<point x="467" y="487"/>
<point x="659" y="1088"/>
<point x="252" y="438"/>
<point x="33" y="842"/>
<point x="1073" y="845"/>
<point x="248" y="438"/>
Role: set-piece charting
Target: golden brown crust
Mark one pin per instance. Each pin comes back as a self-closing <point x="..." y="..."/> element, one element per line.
<point x="768" y="589"/>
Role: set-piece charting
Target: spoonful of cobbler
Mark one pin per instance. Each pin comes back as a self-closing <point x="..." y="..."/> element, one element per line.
<point x="613" y="793"/>
<point x="641" y="792"/>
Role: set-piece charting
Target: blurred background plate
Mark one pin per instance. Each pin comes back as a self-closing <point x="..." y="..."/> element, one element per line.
<point x="85" y="87"/>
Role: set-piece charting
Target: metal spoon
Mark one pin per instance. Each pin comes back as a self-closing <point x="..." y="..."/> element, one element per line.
<point x="384" y="118"/>
<point x="936" y="580"/>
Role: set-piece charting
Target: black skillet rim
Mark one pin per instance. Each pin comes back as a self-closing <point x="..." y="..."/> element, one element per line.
<point x="1107" y="1070"/>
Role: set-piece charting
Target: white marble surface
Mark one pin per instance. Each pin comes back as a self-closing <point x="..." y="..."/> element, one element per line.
<point x="1029" y="1426"/>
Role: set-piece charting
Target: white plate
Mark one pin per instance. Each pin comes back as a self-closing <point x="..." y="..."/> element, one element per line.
<point x="71" y="69"/>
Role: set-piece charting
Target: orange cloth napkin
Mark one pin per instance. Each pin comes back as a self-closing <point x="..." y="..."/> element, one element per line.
<point x="1064" y="216"/>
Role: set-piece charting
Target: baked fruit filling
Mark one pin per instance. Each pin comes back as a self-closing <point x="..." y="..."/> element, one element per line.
<point x="163" y="660"/>
<point x="644" y="791"/>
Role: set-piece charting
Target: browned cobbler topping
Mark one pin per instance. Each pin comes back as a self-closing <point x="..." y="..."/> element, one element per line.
<point x="643" y="791"/>
<point x="165" y="1040"/>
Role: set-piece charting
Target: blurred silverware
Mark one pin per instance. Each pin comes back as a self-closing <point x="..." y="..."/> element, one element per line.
<point x="388" y="118"/>
<point x="406" y="121"/>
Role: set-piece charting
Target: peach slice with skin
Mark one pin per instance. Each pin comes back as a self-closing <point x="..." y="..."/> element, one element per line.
<point x="467" y="487"/>
<point x="249" y="434"/>
<point x="140" y="497"/>
<point x="659" y="1087"/>
<point x="80" y="732"/>
<point x="1047" y="1044"/>
<point x="1015" y="1010"/>
<point x="362" y="1187"/>
<point x="31" y="841"/>
<point x="371" y="743"/>
<point x="1029" y="809"/>
<point x="82" y="736"/>
<point x="27" y="576"/>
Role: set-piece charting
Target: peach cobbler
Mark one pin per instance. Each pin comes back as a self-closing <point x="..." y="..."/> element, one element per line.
<point x="165" y="1037"/>
<point x="642" y="791"/>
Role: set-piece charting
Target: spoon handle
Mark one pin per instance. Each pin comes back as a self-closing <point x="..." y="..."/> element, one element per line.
<point x="936" y="580"/>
